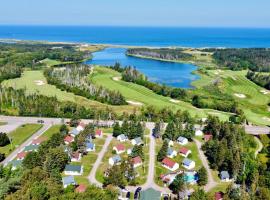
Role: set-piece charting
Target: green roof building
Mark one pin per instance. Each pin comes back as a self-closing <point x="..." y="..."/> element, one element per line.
<point x="150" y="193"/>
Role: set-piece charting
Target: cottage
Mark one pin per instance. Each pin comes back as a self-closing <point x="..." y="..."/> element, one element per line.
<point x="30" y="148"/>
<point x="80" y="189"/>
<point x="188" y="164"/>
<point x="171" y="153"/>
<point x="170" y="164"/>
<point x="90" y="146"/>
<point x="76" y="156"/>
<point x="168" y="178"/>
<point x="115" y="160"/>
<point x="120" y="148"/>
<point x="68" y="180"/>
<point x="184" y="152"/>
<point x="219" y="196"/>
<point x="137" y="161"/>
<point x="81" y="126"/>
<point x="170" y="142"/>
<point x="68" y="139"/>
<point x="198" y="132"/>
<point x="182" y="140"/>
<point x="225" y="176"/>
<point x="73" y="170"/>
<point x="122" y="138"/>
<point x="21" y="155"/>
<point x="208" y="137"/>
<point x="74" y="132"/>
<point x="38" y="141"/>
<point x="15" y="164"/>
<point x="98" y="133"/>
<point x="137" y="141"/>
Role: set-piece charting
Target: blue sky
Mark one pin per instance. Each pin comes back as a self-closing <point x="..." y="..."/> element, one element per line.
<point x="191" y="13"/>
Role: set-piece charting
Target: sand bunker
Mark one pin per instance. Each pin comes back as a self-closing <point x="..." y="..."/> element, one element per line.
<point x="242" y="96"/>
<point x="174" y="101"/>
<point x="116" y="78"/>
<point x="264" y="91"/>
<point x="39" y="82"/>
<point x="135" y="103"/>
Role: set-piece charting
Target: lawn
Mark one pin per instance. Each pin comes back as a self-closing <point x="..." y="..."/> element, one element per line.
<point x="133" y="92"/>
<point x="19" y="136"/>
<point x="52" y="130"/>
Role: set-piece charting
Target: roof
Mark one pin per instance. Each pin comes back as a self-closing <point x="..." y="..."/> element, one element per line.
<point x="168" y="162"/>
<point x="68" y="180"/>
<point x="98" y="132"/>
<point x="218" y="195"/>
<point x="137" y="160"/>
<point x="122" y="137"/>
<point x="38" y="140"/>
<point x="208" y="137"/>
<point x="73" y="168"/>
<point x="75" y="131"/>
<point x="90" y="145"/>
<point x="82" y="124"/>
<point x="181" y="139"/>
<point x="150" y="193"/>
<point x="187" y="161"/>
<point x="138" y="140"/>
<point x="76" y="155"/>
<point x="69" y="139"/>
<point x="120" y="147"/>
<point x="224" y="174"/>
<point x="170" y="151"/>
<point x="81" y="188"/>
<point x="183" y="150"/>
<point x="15" y="163"/>
<point x="116" y="158"/>
<point x="30" y="147"/>
<point x="21" y="155"/>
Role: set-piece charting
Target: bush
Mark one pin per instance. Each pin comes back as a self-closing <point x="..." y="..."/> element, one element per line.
<point x="4" y="140"/>
<point x="2" y="157"/>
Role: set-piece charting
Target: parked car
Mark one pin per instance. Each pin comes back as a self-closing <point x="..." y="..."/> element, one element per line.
<point x="128" y="195"/>
<point x="137" y="193"/>
<point x="40" y="121"/>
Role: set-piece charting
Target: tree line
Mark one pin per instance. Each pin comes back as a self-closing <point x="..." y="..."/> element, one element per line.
<point x="261" y="79"/>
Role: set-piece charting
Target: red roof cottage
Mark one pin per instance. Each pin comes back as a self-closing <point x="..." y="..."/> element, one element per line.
<point x="120" y="148"/>
<point x="99" y="133"/>
<point x="137" y="161"/>
<point x="170" y="164"/>
<point x="184" y="152"/>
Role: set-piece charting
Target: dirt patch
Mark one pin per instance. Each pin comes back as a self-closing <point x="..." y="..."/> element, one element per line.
<point x="242" y="96"/>
<point x="135" y="103"/>
<point x="264" y="91"/>
<point x="116" y="78"/>
<point x="174" y="101"/>
<point x="39" y="82"/>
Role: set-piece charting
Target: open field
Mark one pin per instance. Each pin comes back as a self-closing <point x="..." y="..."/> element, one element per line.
<point x="249" y="96"/>
<point x="136" y="93"/>
<point x="20" y="135"/>
<point x="52" y="130"/>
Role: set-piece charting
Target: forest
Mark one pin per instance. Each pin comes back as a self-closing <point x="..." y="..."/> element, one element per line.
<point x="75" y="78"/>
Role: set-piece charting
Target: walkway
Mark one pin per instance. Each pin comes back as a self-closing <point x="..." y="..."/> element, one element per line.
<point x="211" y="182"/>
<point x="260" y="146"/>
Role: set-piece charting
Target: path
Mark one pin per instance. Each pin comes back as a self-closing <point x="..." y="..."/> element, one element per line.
<point x="211" y="182"/>
<point x="13" y="155"/>
<point x="92" y="175"/>
<point x="260" y="146"/>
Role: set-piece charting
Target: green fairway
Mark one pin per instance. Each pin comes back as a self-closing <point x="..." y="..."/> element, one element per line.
<point x="19" y="136"/>
<point x="139" y="94"/>
<point x="250" y="96"/>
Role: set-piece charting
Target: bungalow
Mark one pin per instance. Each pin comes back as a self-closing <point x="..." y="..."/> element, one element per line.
<point x="168" y="178"/>
<point x="184" y="152"/>
<point x="38" y="141"/>
<point x="98" y="133"/>
<point x="81" y="126"/>
<point x="182" y="140"/>
<point x="171" y="153"/>
<point x="120" y="148"/>
<point x="73" y="170"/>
<point x="225" y="176"/>
<point x="15" y="164"/>
<point x="188" y="164"/>
<point x="115" y="160"/>
<point x="90" y="146"/>
<point x="68" y="139"/>
<point x="137" y="141"/>
<point x="170" y="142"/>
<point x="30" y="148"/>
<point x="21" y="155"/>
<point x="219" y="195"/>
<point x="137" y="161"/>
<point x="68" y="180"/>
<point x="122" y="138"/>
<point x="76" y="156"/>
<point x="198" y="132"/>
<point x="74" y="132"/>
<point x="208" y="137"/>
<point x="80" y="189"/>
<point x="170" y="164"/>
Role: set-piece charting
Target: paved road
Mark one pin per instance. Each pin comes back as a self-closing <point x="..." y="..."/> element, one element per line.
<point x="211" y="182"/>
<point x="92" y="175"/>
<point x="13" y="155"/>
<point x="11" y="126"/>
<point x="257" y="130"/>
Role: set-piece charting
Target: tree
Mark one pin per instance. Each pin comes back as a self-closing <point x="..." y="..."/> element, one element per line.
<point x="137" y="151"/>
<point x="178" y="185"/>
<point x="4" y="140"/>
<point x="199" y="194"/>
<point x="170" y="132"/>
<point x="2" y="157"/>
<point x="63" y="129"/>
<point x="163" y="151"/>
<point x="125" y="128"/>
<point x="115" y="177"/>
<point x="32" y="160"/>
<point x="56" y="159"/>
<point x="203" y="178"/>
<point x="116" y="130"/>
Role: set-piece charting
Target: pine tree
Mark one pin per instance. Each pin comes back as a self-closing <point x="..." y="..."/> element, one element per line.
<point x="163" y="151"/>
<point x="116" y="130"/>
<point x="203" y="178"/>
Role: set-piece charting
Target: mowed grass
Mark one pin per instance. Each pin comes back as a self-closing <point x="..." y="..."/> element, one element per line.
<point x="133" y="92"/>
<point x="52" y="130"/>
<point x="19" y="136"/>
<point x="254" y="103"/>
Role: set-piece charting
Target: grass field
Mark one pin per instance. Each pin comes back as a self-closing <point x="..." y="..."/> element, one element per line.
<point x="19" y="136"/>
<point x="52" y="130"/>
<point x="251" y="100"/>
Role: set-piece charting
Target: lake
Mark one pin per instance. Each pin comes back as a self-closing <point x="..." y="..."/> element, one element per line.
<point x="169" y="73"/>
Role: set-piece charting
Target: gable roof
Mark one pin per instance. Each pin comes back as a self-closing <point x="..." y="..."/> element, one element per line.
<point x="150" y="193"/>
<point x="218" y="195"/>
<point x="138" y="140"/>
<point x="75" y="132"/>
<point x="187" y="161"/>
<point x="69" y="139"/>
<point x="116" y="158"/>
<point x="168" y="162"/>
<point x="99" y="132"/>
<point x="181" y="139"/>
<point x="76" y="155"/>
<point x="120" y="147"/>
<point x="183" y="150"/>
<point x="137" y="160"/>
<point x="30" y="147"/>
<point x="81" y="188"/>
<point x="68" y="180"/>
<point x="90" y="145"/>
<point x="224" y="174"/>
<point x="38" y="140"/>
<point x="122" y="137"/>
<point x="15" y="163"/>
<point x="170" y="151"/>
<point x="21" y="155"/>
<point x="73" y="168"/>
<point x="208" y="137"/>
<point x="83" y="125"/>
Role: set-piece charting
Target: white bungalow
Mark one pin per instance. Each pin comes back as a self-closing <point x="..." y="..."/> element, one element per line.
<point x="122" y="138"/>
<point x="188" y="164"/>
<point x="74" y="170"/>
<point x="182" y="140"/>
